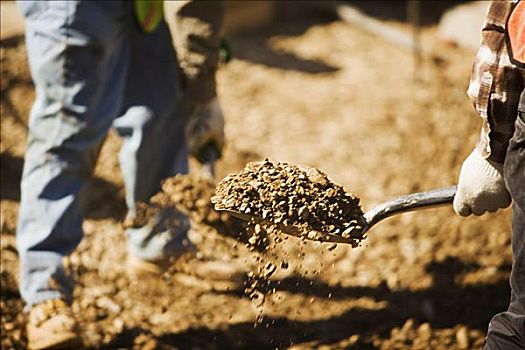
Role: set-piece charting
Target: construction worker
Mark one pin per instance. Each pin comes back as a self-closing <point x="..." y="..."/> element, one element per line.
<point x="493" y="175"/>
<point x="97" y="65"/>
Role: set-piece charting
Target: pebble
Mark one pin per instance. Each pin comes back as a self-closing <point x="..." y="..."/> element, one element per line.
<point x="425" y="332"/>
<point x="462" y="337"/>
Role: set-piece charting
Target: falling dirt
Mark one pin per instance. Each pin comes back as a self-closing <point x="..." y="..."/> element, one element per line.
<point x="192" y="195"/>
<point x="303" y="91"/>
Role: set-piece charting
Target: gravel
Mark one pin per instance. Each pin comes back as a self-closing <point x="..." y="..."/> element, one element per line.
<point x="290" y="196"/>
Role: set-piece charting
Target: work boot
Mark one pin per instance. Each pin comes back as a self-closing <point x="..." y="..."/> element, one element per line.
<point x="182" y="262"/>
<point x="138" y="267"/>
<point x="51" y="325"/>
<point x="211" y="274"/>
<point x="191" y="270"/>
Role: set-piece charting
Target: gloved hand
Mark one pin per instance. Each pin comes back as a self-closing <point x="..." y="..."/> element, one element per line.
<point x="205" y="127"/>
<point x="481" y="187"/>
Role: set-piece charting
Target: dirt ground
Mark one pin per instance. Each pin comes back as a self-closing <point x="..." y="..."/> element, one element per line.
<point x="326" y="95"/>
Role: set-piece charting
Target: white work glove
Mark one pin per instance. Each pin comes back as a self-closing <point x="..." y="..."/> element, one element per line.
<point x="205" y="127"/>
<point x="481" y="187"/>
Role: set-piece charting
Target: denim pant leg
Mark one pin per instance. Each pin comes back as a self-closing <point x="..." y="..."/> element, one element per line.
<point x="78" y="58"/>
<point x="154" y="145"/>
<point x="507" y="329"/>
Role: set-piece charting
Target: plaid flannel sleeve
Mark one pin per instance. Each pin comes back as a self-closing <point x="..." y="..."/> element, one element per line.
<point x="496" y="84"/>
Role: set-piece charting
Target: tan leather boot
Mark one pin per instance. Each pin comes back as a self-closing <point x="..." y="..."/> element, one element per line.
<point x="217" y="275"/>
<point x="51" y="325"/>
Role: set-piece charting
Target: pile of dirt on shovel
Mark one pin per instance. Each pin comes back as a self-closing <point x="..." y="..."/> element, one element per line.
<point x="288" y="195"/>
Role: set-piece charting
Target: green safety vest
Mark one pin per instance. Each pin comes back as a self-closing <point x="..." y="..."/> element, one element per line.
<point x="149" y="14"/>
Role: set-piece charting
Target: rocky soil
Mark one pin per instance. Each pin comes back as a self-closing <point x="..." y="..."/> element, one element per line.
<point x="298" y="199"/>
<point x="304" y="91"/>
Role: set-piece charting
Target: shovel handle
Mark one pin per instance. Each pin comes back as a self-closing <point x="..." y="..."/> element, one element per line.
<point x="409" y="202"/>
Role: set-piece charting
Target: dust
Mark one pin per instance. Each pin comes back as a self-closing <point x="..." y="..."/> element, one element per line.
<point x="190" y="195"/>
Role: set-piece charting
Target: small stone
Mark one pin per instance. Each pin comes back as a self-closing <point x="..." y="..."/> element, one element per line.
<point x="252" y="240"/>
<point x="150" y="344"/>
<point x="118" y="325"/>
<point x="108" y="304"/>
<point x="462" y="337"/>
<point x="425" y="332"/>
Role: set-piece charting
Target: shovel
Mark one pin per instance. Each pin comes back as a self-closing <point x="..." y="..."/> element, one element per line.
<point x="398" y="205"/>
